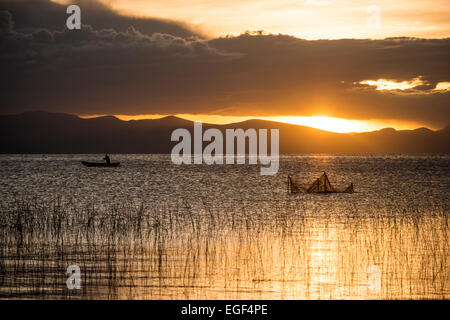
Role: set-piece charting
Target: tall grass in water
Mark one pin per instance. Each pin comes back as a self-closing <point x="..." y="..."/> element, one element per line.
<point x="201" y="251"/>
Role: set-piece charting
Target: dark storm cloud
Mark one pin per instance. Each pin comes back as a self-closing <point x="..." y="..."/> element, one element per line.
<point x="287" y="75"/>
<point x="75" y="71"/>
<point x="32" y="14"/>
<point x="107" y="70"/>
<point x="6" y="23"/>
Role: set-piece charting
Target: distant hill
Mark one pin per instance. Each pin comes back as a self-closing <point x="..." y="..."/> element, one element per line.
<point x="44" y="132"/>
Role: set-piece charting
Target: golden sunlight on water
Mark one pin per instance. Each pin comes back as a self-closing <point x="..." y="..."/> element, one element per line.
<point x="317" y="261"/>
<point x="227" y="237"/>
<point x="292" y="256"/>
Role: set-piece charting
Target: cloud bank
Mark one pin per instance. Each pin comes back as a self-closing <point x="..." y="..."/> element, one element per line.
<point x="32" y="14"/>
<point x="119" y="66"/>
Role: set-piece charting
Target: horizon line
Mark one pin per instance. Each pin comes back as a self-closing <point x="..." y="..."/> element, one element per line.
<point x="289" y="120"/>
<point x="284" y="119"/>
<point x="240" y="119"/>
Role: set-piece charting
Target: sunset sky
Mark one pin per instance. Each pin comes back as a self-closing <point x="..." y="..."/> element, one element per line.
<point x="308" y="19"/>
<point x="336" y="65"/>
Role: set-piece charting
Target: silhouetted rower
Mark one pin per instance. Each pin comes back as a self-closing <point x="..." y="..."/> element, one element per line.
<point x="106" y="158"/>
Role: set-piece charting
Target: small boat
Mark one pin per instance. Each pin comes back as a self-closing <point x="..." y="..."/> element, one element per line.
<point x="100" y="164"/>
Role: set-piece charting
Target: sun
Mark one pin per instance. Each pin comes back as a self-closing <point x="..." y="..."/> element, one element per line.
<point x="327" y="123"/>
<point x="341" y="125"/>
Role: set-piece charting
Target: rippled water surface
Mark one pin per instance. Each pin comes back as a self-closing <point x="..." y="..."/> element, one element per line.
<point x="151" y="229"/>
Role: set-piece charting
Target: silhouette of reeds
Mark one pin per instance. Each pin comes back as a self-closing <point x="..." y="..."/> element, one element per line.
<point x="200" y="251"/>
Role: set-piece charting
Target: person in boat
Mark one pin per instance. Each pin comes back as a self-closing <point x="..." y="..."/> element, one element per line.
<point x="106" y="158"/>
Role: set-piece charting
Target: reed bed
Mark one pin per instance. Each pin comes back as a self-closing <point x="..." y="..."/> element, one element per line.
<point x="200" y="250"/>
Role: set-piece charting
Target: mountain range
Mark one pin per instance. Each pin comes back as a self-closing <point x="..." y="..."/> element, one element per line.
<point x="44" y="132"/>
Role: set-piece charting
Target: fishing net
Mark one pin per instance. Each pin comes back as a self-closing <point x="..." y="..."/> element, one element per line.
<point x="320" y="185"/>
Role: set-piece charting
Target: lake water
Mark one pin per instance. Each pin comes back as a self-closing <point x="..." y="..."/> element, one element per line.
<point x="150" y="229"/>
